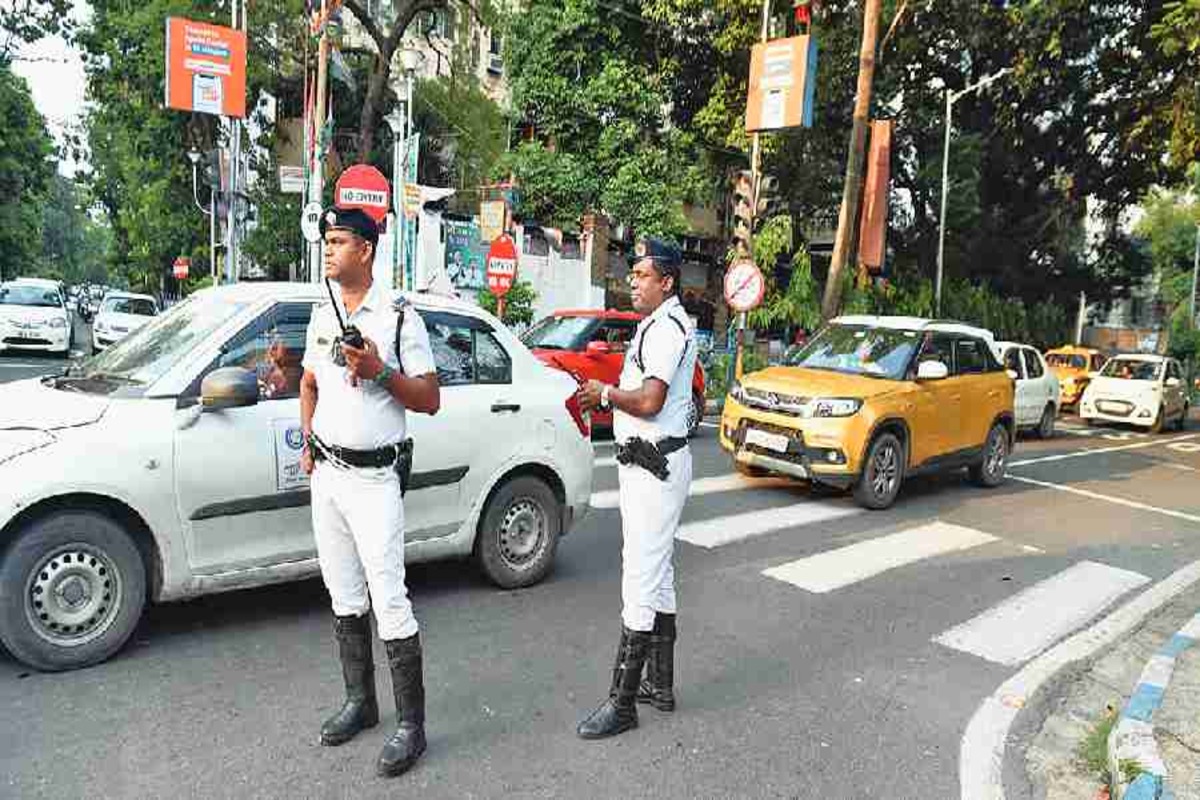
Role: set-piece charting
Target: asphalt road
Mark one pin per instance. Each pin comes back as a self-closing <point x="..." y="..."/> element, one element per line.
<point x="848" y="672"/>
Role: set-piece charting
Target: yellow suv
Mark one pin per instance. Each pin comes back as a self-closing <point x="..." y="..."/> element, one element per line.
<point x="872" y="400"/>
<point x="1074" y="367"/>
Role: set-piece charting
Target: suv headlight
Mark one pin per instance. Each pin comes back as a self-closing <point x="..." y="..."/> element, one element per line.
<point x="735" y="391"/>
<point x="836" y="406"/>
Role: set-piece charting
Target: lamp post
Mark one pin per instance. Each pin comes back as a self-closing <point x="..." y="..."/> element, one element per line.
<point x="951" y="99"/>
<point x="410" y="60"/>
<point x="396" y="121"/>
<point x="194" y="157"/>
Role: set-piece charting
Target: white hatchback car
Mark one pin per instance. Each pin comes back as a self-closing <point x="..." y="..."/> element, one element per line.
<point x="1038" y="394"/>
<point x="34" y="317"/>
<point x="120" y="314"/>
<point x="1144" y="390"/>
<point x="168" y="467"/>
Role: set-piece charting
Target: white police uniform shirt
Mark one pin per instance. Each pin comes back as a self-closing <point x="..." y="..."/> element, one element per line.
<point x="663" y="347"/>
<point x="366" y="416"/>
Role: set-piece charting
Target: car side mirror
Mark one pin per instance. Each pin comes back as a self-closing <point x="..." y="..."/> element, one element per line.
<point x="228" y="387"/>
<point x="1012" y="373"/>
<point x="932" y="371"/>
<point x="598" y="348"/>
<point x="1174" y="382"/>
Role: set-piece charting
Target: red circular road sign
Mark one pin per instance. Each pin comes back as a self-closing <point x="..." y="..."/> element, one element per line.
<point x="181" y="267"/>
<point x="744" y="285"/>
<point x="364" y="187"/>
<point x="501" y="265"/>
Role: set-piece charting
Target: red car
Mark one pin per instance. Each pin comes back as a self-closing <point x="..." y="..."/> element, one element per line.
<point x="591" y="344"/>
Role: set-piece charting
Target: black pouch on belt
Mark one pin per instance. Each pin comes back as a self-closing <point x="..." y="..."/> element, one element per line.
<point x="638" y="452"/>
<point x="404" y="461"/>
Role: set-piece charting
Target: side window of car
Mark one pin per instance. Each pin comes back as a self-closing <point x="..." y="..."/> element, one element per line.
<point x="1097" y="363"/>
<point x="938" y="347"/>
<point x="617" y="333"/>
<point x="970" y="356"/>
<point x="272" y="347"/>
<point x="1033" y="365"/>
<point x="465" y="350"/>
<point x="1012" y="360"/>
<point x="492" y="362"/>
<point x="1172" y="370"/>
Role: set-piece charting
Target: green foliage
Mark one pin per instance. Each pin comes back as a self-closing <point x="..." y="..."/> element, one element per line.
<point x="1093" y="750"/>
<point x="716" y="386"/>
<point x="74" y="246"/>
<point x="27" y="21"/>
<point x="518" y="303"/>
<point x="26" y="174"/>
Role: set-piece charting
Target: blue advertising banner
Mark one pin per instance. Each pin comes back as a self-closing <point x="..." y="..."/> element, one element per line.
<point x="466" y="255"/>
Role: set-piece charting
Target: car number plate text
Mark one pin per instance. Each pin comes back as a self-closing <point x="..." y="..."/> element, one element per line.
<point x="770" y="441"/>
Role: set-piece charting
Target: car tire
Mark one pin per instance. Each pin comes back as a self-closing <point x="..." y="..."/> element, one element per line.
<point x="1159" y="421"/>
<point x="1045" y="428"/>
<point x="989" y="471"/>
<point x="695" y="414"/>
<point x="882" y="473"/>
<point x="749" y="470"/>
<point x="1183" y="418"/>
<point x="518" y="533"/>
<point x="77" y="558"/>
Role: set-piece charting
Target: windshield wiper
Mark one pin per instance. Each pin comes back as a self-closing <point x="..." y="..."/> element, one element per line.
<point x="547" y="346"/>
<point x="111" y="377"/>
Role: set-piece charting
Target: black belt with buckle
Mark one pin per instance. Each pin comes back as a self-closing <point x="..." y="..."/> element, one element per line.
<point x="671" y="444"/>
<point x="366" y="459"/>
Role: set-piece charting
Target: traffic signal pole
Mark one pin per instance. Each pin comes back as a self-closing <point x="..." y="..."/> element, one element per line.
<point x="316" y="268"/>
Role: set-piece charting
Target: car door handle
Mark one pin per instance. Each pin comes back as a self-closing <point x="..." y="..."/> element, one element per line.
<point x="500" y="408"/>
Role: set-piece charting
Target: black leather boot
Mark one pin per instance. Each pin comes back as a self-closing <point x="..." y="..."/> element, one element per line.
<point x="658" y="688"/>
<point x="361" y="709"/>
<point x="618" y="713"/>
<point x="407" y="744"/>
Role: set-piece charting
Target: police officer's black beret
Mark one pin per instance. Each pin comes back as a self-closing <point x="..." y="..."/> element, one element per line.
<point x="661" y="252"/>
<point x="354" y="220"/>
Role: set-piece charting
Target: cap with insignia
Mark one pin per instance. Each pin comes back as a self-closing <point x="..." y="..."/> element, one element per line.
<point x="354" y="220"/>
<point x="659" y="251"/>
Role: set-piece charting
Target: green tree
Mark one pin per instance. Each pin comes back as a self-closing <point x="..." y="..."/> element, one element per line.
<point x="74" y="246"/>
<point x="26" y="21"/>
<point x="1169" y="229"/>
<point x="26" y="172"/>
<point x="518" y="303"/>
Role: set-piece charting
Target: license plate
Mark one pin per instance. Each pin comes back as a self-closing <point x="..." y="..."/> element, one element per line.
<point x="770" y="441"/>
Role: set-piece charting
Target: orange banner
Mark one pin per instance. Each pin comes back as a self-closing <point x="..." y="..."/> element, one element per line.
<point x="782" y="84"/>
<point x="206" y="68"/>
<point x="872" y="243"/>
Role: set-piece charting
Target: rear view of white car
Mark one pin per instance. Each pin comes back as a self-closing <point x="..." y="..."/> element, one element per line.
<point x="1038" y="394"/>
<point x="120" y="314"/>
<point x="34" y="317"/>
<point x="1143" y="390"/>
<point x="197" y="420"/>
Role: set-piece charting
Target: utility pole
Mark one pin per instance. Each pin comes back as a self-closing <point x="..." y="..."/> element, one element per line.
<point x="1079" y="319"/>
<point x="235" y="157"/>
<point x="1195" y="275"/>
<point x="852" y="192"/>
<point x="317" y="187"/>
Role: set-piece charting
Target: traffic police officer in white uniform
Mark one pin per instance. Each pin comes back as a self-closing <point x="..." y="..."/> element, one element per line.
<point x="650" y="423"/>
<point x="353" y="402"/>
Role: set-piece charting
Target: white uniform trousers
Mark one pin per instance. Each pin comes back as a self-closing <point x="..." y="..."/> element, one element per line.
<point x="358" y="520"/>
<point x="650" y="511"/>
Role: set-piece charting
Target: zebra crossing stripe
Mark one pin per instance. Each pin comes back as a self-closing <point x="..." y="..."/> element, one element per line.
<point x="731" y="528"/>
<point x="1027" y="623"/>
<point x="857" y="562"/>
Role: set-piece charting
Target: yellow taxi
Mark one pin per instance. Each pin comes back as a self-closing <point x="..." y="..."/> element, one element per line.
<point x="872" y="400"/>
<point x="1073" y="366"/>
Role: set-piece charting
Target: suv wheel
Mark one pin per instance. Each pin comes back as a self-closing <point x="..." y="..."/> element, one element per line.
<point x="72" y="589"/>
<point x="1045" y="428"/>
<point x="989" y="471"/>
<point x="882" y="473"/>
<point x="1183" y="418"/>
<point x="518" y="533"/>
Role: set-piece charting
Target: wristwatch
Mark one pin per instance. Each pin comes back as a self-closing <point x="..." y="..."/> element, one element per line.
<point x="605" y="403"/>
<point x="384" y="377"/>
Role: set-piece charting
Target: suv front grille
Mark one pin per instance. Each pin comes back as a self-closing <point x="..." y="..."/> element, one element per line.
<point x="776" y="402"/>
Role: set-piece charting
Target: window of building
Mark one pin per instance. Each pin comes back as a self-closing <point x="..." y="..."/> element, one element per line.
<point x="533" y="242"/>
<point x="571" y="247"/>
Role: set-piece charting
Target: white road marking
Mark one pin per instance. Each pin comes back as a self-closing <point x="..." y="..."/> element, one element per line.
<point x="710" y="425"/>
<point x="1100" y="450"/>
<point x="1121" y="501"/>
<point x="981" y="753"/>
<point x="1078" y="431"/>
<point x="1027" y="623"/>
<point x="1028" y="548"/>
<point x="825" y="572"/>
<point x="1181" y="467"/>
<point x="730" y="482"/>
<point x="724" y="530"/>
<point x="1185" y="447"/>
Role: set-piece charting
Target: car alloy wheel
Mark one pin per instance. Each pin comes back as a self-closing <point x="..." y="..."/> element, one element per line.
<point x="882" y="473"/>
<point x="885" y="471"/>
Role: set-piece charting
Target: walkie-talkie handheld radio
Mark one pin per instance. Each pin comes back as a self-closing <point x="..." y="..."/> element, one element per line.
<point x="351" y="335"/>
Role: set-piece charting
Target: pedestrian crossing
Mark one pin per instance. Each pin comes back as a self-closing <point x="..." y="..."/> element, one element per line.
<point x="1010" y="632"/>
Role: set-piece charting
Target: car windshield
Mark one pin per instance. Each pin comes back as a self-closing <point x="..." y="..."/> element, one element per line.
<point x="1132" y="370"/>
<point x="140" y="306"/>
<point x="15" y="294"/>
<point x="859" y="350"/>
<point x="145" y="355"/>
<point x="1063" y="360"/>
<point x="560" y="333"/>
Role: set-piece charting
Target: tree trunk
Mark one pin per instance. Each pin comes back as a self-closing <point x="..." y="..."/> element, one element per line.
<point x="381" y="72"/>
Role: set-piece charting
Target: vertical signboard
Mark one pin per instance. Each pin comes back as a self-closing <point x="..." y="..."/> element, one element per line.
<point x="206" y="68"/>
<point x="465" y="255"/>
<point x="873" y="233"/>
<point x="783" y="81"/>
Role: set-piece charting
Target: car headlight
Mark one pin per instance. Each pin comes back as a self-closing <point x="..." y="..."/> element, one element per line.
<point x="99" y="326"/>
<point x="836" y="406"/>
<point x="58" y="323"/>
<point x="735" y="390"/>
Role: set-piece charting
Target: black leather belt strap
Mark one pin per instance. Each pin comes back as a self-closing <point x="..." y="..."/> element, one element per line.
<point x="671" y="444"/>
<point x="366" y="459"/>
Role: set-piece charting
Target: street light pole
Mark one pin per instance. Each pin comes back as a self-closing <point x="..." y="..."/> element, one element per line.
<point x="952" y="98"/>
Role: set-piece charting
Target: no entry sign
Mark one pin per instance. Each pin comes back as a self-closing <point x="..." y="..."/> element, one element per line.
<point x="181" y="267"/>
<point x="501" y="265"/>
<point x="363" y="187"/>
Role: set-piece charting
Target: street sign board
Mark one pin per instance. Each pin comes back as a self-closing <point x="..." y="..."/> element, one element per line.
<point x="501" y="265"/>
<point x="782" y="84"/>
<point x="363" y="186"/>
<point x="206" y="68"/>
<point x="291" y="180"/>
<point x="310" y="222"/>
<point x="744" y="285"/>
<point x="492" y="216"/>
<point x="180" y="267"/>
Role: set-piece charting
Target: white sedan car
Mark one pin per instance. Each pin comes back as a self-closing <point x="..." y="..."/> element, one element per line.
<point x="119" y="314"/>
<point x="1038" y="394"/>
<point x="168" y="467"/>
<point x="1144" y="390"/>
<point x="34" y="317"/>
